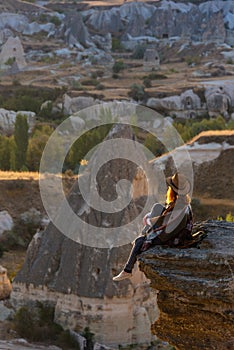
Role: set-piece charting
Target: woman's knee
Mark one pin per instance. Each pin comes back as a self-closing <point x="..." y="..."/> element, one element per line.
<point x="156" y="210"/>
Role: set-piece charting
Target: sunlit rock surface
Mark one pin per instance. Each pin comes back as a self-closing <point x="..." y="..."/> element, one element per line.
<point x="196" y="290"/>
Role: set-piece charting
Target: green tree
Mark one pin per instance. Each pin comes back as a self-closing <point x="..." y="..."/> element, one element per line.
<point x="7" y="153"/>
<point x="36" y="146"/>
<point x="86" y="143"/>
<point x="21" y="141"/>
<point x="4" y="153"/>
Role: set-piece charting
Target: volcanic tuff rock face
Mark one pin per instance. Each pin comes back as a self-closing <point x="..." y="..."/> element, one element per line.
<point x="196" y="290"/>
<point x="77" y="279"/>
<point x="217" y="97"/>
<point x="165" y="19"/>
<point x="212" y="158"/>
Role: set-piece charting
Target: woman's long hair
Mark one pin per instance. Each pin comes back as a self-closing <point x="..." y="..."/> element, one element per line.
<point x="172" y="196"/>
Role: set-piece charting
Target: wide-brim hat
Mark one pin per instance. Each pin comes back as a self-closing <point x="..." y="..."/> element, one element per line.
<point x="179" y="183"/>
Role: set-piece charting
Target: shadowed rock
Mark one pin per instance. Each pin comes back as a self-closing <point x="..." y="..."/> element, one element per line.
<point x="76" y="278"/>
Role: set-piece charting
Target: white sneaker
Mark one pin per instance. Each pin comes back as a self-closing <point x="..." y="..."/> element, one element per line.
<point x="122" y="276"/>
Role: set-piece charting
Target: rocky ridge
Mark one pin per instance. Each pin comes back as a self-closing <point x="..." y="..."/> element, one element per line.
<point x="210" y="152"/>
<point x="196" y="290"/>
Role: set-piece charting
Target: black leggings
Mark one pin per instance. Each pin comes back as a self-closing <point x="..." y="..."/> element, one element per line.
<point x="136" y="250"/>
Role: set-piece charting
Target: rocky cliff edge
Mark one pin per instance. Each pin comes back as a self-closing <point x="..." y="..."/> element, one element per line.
<point x="196" y="290"/>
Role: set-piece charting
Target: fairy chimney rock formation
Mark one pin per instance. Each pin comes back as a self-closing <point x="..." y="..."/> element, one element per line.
<point x="196" y="290"/>
<point x="77" y="279"/>
<point x="12" y="53"/>
<point x="151" y="60"/>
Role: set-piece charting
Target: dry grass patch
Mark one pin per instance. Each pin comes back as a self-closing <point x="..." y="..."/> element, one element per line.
<point x="14" y="175"/>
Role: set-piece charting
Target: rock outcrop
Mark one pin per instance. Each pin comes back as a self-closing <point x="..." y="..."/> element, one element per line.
<point x="214" y="98"/>
<point x="8" y="118"/>
<point x="5" y="284"/>
<point x="165" y="19"/>
<point x="210" y="152"/>
<point x="6" y="221"/>
<point x="196" y="290"/>
<point x="77" y="279"/>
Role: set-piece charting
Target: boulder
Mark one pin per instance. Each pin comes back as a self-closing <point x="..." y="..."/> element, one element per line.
<point x="218" y="104"/>
<point x="20" y="23"/>
<point x="34" y="27"/>
<point x="219" y="98"/>
<point x="103" y="42"/>
<point x="6" y="221"/>
<point x="5" y="284"/>
<point x="102" y="58"/>
<point x="14" y="21"/>
<point x="196" y="290"/>
<point x="165" y="104"/>
<point x="75" y="104"/>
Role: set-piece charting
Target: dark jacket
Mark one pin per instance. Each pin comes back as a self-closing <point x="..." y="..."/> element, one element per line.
<point x="173" y="226"/>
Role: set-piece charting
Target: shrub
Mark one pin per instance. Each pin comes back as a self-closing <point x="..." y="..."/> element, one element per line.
<point x="28" y="98"/>
<point x="191" y="128"/>
<point x="55" y="20"/>
<point x="24" y="229"/>
<point x="76" y="85"/>
<point x="118" y="66"/>
<point x="139" y="52"/>
<point x="193" y="60"/>
<point x="23" y="323"/>
<point x="155" y="76"/>
<point x="137" y="92"/>
<point x="115" y="76"/>
<point x="229" y="218"/>
<point x="229" y="60"/>
<point x="10" y="61"/>
<point x="90" y="82"/>
<point x="147" y="82"/>
<point x="116" y="44"/>
<point x="38" y="324"/>
<point x="89" y="337"/>
<point x="100" y="86"/>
